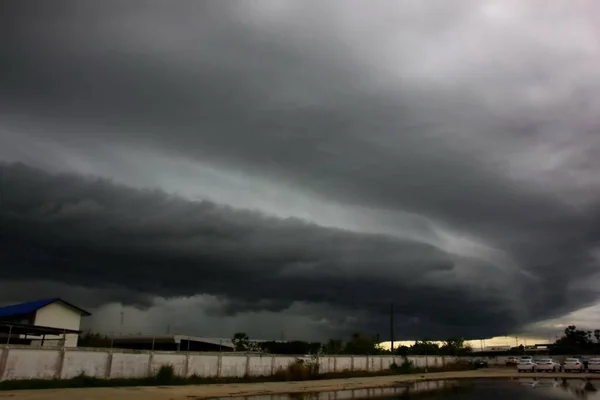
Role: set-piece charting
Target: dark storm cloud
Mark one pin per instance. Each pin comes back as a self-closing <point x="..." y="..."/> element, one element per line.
<point x="92" y="233"/>
<point x="395" y="107"/>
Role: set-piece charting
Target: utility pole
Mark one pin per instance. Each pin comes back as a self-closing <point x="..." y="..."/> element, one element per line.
<point x="1" y="185"/>
<point x="122" y="320"/>
<point x="392" y="326"/>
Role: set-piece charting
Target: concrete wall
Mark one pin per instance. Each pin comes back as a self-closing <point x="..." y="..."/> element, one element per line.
<point x="22" y="362"/>
<point x="57" y="315"/>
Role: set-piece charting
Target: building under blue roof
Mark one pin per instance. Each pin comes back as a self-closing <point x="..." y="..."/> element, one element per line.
<point x="55" y="320"/>
<point x="17" y="310"/>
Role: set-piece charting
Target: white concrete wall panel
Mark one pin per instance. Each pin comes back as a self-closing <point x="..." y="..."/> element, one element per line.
<point x="326" y="364"/>
<point x="417" y="361"/>
<point x="282" y="362"/>
<point x="387" y="361"/>
<point x="129" y="365"/>
<point x="89" y="363"/>
<point x="233" y="366"/>
<point x="260" y="365"/>
<point x="360" y="363"/>
<point x="344" y="363"/>
<point x="204" y="366"/>
<point x="374" y="363"/>
<point x="32" y="364"/>
<point x="177" y="361"/>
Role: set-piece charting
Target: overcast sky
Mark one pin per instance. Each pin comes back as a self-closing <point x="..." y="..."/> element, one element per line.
<point x="290" y="168"/>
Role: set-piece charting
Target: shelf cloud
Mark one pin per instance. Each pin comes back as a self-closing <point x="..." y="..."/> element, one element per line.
<point x="317" y="161"/>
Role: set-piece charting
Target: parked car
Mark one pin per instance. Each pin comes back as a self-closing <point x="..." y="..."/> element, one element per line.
<point x="526" y="365"/>
<point x="547" y="364"/>
<point x="479" y="362"/>
<point x="512" y="361"/>
<point x="573" y="364"/>
<point x="593" y="364"/>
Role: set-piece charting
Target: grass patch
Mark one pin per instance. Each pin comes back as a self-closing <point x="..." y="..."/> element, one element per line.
<point x="298" y="371"/>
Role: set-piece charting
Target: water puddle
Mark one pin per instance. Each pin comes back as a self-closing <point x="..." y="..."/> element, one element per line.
<point x="500" y="389"/>
<point x="402" y="389"/>
<point x="572" y="388"/>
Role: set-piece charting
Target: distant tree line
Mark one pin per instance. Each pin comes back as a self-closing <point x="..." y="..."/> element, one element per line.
<point x="577" y="341"/>
<point x="574" y="342"/>
<point x="359" y="343"/>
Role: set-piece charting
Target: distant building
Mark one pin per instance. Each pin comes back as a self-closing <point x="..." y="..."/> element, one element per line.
<point x="496" y="348"/>
<point x="48" y="322"/>
<point x="171" y="343"/>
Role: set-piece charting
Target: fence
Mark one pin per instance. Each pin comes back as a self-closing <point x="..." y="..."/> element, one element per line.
<point x="23" y="362"/>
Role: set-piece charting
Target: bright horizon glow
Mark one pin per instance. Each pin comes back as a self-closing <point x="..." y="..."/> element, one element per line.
<point x="512" y="341"/>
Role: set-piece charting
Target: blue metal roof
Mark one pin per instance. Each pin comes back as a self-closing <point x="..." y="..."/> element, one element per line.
<point x="33" y="306"/>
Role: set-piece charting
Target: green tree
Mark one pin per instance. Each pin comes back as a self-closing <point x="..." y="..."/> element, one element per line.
<point x="333" y="346"/>
<point x="574" y="341"/>
<point x="455" y="347"/>
<point x="241" y="341"/>
<point x="362" y="344"/>
<point x="424" y="347"/>
<point x="576" y="336"/>
<point x="402" y="350"/>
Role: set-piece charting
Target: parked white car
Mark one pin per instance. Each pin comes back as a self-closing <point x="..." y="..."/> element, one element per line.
<point x="573" y="365"/>
<point x="526" y="365"/>
<point x="548" y="365"/>
<point x="594" y="364"/>
<point x="512" y="360"/>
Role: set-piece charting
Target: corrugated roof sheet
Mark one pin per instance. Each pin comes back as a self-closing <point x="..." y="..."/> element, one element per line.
<point x="33" y="306"/>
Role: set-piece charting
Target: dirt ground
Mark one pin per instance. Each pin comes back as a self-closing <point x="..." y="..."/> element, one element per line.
<point x="249" y="389"/>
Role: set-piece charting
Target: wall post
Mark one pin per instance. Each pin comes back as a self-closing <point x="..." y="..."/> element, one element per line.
<point x="60" y="363"/>
<point x="352" y="364"/>
<point x="335" y="363"/>
<point x="247" y="369"/>
<point x="150" y="359"/>
<point x="220" y="365"/>
<point x="273" y="365"/>
<point x="318" y="360"/>
<point x="109" y="361"/>
<point x="3" y="361"/>
<point x="368" y="361"/>
<point x="186" y="368"/>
